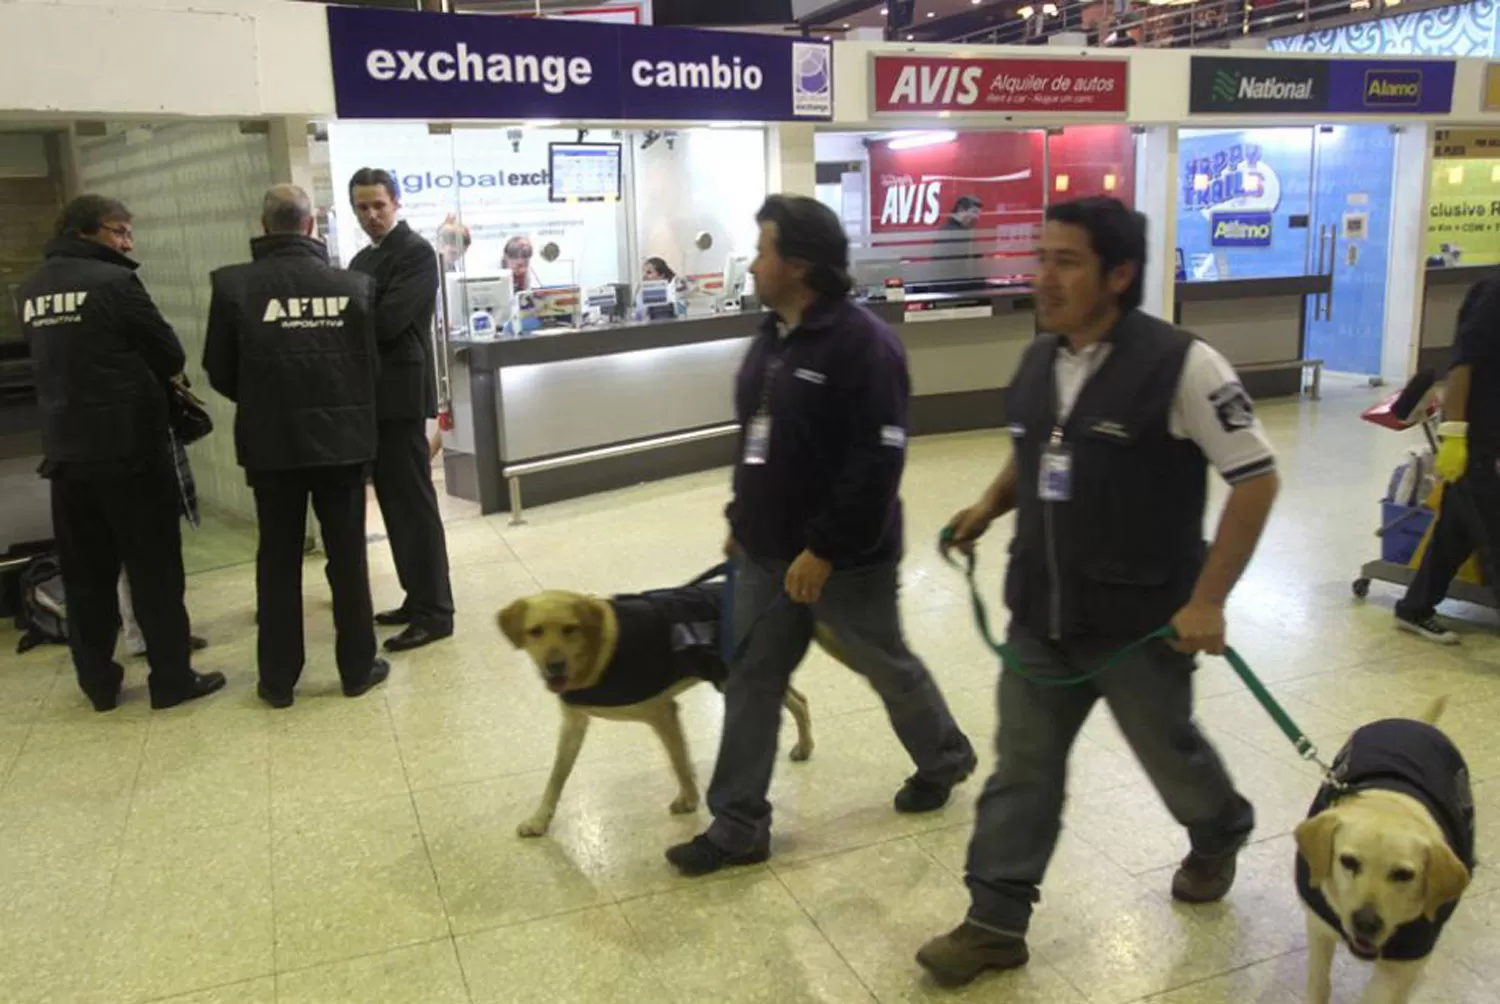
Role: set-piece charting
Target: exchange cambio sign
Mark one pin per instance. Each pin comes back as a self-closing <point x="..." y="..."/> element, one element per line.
<point x="1052" y="86"/>
<point x="395" y="64"/>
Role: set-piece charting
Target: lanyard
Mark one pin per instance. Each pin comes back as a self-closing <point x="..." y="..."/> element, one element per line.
<point x="768" y="378"/>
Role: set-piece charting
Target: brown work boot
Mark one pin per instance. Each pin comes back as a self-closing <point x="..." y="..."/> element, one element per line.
<point x="1204" y="879"/>
<point x="958" y="957"/>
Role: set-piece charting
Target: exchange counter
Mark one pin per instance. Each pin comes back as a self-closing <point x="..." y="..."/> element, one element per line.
<point x="600" y="408"/>
<point x="1259" y="325"/>
<point x="1443" y="293"/>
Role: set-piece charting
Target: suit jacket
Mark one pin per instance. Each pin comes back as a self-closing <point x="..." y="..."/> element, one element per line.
<point x="405" y="269"/>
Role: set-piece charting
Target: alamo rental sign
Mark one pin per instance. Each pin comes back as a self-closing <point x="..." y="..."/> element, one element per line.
<point x="1236" y="86"/>
<point x="905" y="84"/>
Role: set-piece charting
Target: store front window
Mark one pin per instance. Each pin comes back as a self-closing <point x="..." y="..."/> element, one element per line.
<point x="550" y="228"/>
<point x="1463" y="216"/>
<point x="953" y="211"/>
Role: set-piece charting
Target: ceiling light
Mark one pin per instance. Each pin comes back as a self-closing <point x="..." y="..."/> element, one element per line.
<point x="885" y="11"/>
<point x="846" y="27"/>
<point x="931" y="14"/>
<point x="1111" y="182"/>
<point x="910" y="37"/>
<point x="1049" y="9"/>
<point x="1024" y="13"/>
<point x="919" y="139"/>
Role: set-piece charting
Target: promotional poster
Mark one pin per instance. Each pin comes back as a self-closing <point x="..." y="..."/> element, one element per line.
<point x="1463" y="209"/>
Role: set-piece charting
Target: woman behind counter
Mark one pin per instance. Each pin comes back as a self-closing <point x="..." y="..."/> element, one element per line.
<point x="657" y="270"/>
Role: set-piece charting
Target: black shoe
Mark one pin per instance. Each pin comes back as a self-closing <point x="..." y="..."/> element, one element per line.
<point x="1428" y="627"/>
<point x="380" y="670"/>
<point x="107" y="699"/>
<point x="393" y="618"/>
<point x="701" y="856"/>
<point x="960" y="956"/>
<point x="1204" y="879"/>
<point x="920" y="794"/>
<point x="278" y="701"/>
<point x="417" y="635"/>
<point x="201" y="685"/>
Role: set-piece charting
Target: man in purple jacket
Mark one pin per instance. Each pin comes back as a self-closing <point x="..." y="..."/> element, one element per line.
<point x="816" y="527"/>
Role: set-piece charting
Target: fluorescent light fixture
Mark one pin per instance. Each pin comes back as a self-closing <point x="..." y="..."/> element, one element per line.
<point x="1049" y="9"/>
<point x="731" y="125"/>
<point x="1024" y="13"/>
<point x="1111" y="182"/>
<point x="542" y="123"/>
<point x="1061" y="183"/>
<point x="1456" y="174"/>
<point x="920" y="139"/>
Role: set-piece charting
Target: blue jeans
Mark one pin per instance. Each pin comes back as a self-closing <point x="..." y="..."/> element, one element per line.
<point x="859" y="607"/>
<point x="1019" y="817"/>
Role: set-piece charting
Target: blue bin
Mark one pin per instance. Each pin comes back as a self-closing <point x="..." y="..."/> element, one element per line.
<point x="1403" y="528"/>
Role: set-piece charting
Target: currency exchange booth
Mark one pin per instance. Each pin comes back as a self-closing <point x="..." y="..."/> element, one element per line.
<point x="591" y="190"/>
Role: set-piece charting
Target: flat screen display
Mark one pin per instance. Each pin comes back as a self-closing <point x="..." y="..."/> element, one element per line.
<point x="584" y="172"/>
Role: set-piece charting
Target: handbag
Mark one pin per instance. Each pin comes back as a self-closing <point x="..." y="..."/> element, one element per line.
<point x="185" y="412"/>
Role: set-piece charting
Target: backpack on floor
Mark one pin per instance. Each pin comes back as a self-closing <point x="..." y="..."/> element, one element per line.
<point x="44" y="607"/>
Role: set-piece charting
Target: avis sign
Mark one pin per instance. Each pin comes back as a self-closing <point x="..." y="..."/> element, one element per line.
<point x="906" y="84"/>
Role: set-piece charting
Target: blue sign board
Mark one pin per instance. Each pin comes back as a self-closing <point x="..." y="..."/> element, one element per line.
<point x="404" y="65"/>
<point x="1237" y="85"/>
<point x="1240" y="230"/>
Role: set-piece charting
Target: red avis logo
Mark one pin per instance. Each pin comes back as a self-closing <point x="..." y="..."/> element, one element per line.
<point x="928" y="85"/>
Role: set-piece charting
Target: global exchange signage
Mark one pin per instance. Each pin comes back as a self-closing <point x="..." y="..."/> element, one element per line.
<point x="1238" y="86"/>
<point x="439" y="67"/>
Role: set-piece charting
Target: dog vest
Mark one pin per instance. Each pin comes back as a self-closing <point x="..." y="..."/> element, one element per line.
<point x="1415" y="759"/>
<point x="666" y="636"/>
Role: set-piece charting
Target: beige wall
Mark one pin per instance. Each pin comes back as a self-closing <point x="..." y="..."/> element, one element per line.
<point x="195" y="190"/>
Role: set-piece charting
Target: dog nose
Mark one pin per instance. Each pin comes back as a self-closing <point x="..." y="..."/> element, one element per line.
<point x="1366" y="923"/>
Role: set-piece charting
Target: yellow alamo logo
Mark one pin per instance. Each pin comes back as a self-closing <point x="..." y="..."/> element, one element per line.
<point x="52" y="305"/>
<point x="304" y="308"/>
<point x="1386" y="89"/>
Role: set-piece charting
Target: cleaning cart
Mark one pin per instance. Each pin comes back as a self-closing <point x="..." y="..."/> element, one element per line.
<point x="1409" y="510"/>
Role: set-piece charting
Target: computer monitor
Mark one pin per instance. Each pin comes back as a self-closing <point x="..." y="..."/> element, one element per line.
<point x="584" y="172"/>
<point x="736" y="272"/>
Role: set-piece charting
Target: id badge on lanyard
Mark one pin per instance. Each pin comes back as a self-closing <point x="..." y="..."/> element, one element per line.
<point x="758" y="429"/>
<point x="1055" y="483"/>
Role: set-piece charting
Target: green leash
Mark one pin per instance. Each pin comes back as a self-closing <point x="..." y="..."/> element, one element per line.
<point x="1012" y="663"/>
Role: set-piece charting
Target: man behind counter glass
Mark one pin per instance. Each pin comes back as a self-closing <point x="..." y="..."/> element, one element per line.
<point x="1469" y="460"/>
<point x="1115" y="417"/>
<point x="405" y="269"/>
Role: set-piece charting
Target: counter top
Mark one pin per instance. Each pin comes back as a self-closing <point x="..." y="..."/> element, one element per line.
<point x="1190" y="291"/>
<point x="1460" y="275"/>
<point x="562" y="344"/>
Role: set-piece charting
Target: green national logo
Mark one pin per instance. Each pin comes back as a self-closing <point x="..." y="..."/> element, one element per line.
<point x="1226" y="86"/>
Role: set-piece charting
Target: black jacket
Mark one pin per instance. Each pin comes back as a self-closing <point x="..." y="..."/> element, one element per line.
<point x="291" y="340"/>
<point x="836" y="389"/>
<point x="1476" y="343"/>
<point x="103" y="356"/>
<point x="405" y="269"/>
<point x="1415" y="759"/>
<point x="1121" y="557"/>
<point x="666" y="636"/>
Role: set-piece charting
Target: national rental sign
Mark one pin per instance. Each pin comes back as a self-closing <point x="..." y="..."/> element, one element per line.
<point x="1238" y="86"/>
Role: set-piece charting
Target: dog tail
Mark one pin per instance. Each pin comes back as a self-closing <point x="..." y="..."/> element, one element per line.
<point x="1435" y="710"/>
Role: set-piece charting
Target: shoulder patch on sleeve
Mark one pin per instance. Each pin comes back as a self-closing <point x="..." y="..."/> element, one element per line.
<point x="893" y="436"/>
<point x="1233" y="406"/>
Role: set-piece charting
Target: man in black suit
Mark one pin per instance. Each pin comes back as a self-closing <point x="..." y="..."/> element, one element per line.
<point x="405" y="269"/>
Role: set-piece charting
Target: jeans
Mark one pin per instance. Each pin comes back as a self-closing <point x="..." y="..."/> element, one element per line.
<point x="859" y="607"/>
<point x="1019" y="816"/>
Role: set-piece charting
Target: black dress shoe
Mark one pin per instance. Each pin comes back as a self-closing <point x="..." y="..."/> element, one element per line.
<point x="393" y="618"/>
<point x="107" y="698"/>
<point x="920" y="794"/>
<point x="201" y="685"/>
<point x="380" y="670"/>
<point x="278" y="701"/>
<point x="417" y="635"/>
<point x="701" y="856"/>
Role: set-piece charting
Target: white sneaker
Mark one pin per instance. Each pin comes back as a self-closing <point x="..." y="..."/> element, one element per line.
<point x="1429" y="628"/>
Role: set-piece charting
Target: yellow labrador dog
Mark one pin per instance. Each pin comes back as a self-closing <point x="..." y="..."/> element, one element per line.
<point x="627" y="659"/>
<point x="1385" y="854"/>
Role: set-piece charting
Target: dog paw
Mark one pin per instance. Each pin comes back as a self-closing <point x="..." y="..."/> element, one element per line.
<point x="536" y="826"/>
<point x="683" y="804"/>
<point x="802" y="751"/>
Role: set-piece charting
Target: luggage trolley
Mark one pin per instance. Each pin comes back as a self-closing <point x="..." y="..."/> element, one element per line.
<point x="1405" y="530"/>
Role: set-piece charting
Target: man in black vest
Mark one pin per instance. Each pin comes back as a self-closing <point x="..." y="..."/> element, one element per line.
<point x="104" y="357"/>
<point x="405" y="269"/>
<point x="291" y="340"/>
<point x="1115" y="418"/>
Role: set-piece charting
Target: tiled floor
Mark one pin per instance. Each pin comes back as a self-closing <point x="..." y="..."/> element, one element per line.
<point x="364" y="851"/>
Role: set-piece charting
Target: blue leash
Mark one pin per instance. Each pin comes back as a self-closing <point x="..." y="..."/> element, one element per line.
<point x="728" y="650"/>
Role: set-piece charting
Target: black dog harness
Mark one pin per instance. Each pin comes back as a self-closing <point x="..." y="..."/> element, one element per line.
<point x="666" y="636"/>
<point x="1415" y="759"/>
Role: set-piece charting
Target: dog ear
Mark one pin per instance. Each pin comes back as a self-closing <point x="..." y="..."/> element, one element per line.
<point x="590" y="614"/>
<point x="1446" y="878"/>
<point x="1315" y="844"/>
<point x="512" y="621"/>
